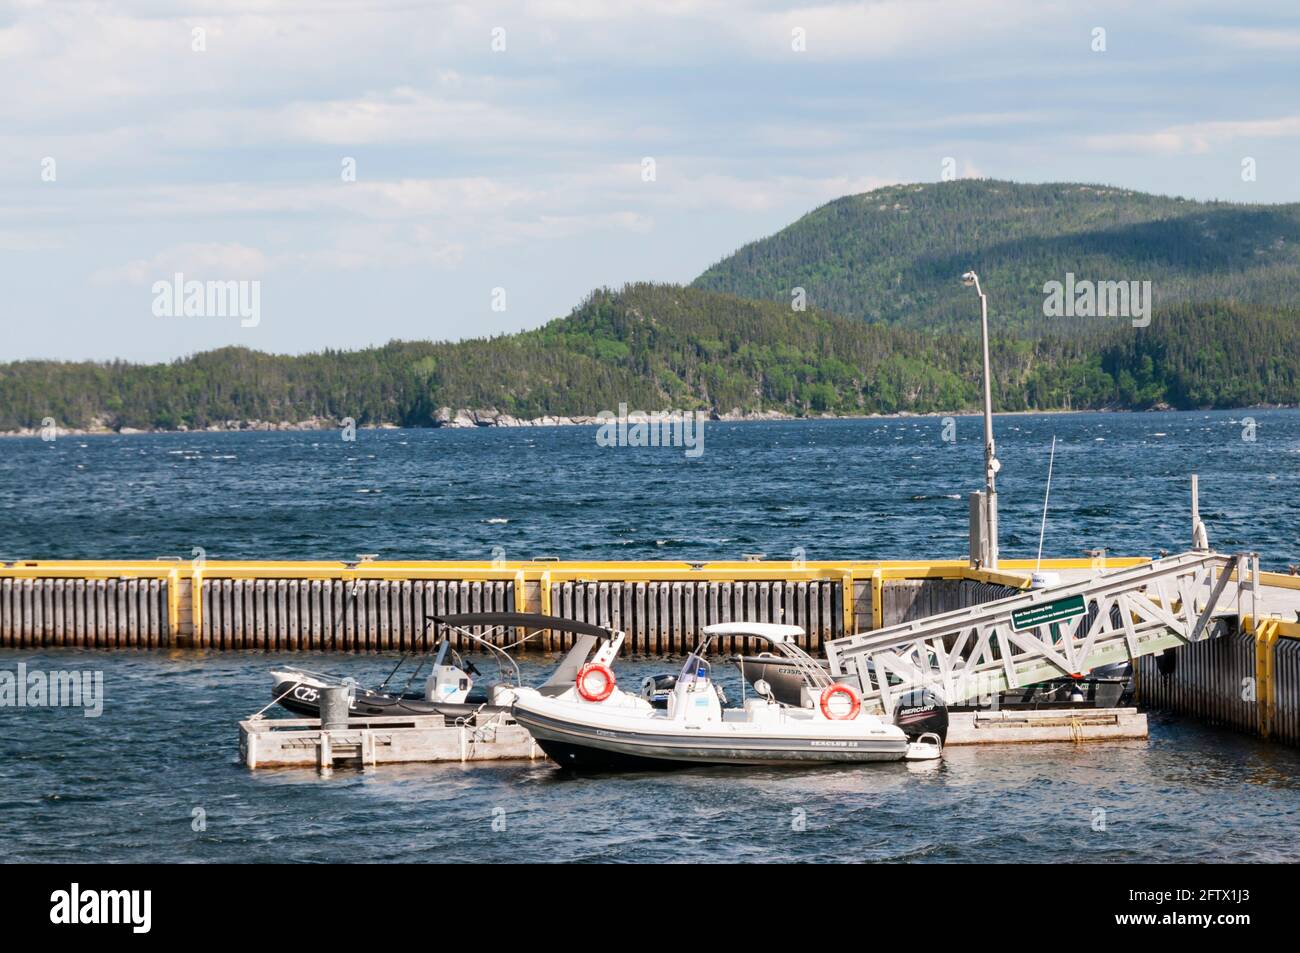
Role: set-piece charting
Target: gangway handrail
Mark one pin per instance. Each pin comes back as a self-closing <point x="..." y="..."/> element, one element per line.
<point x="980" y="650"/>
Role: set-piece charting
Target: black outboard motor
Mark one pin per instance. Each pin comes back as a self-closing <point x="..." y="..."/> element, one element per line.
<point x="919" y="712"/>
<point x="656" y="688"/>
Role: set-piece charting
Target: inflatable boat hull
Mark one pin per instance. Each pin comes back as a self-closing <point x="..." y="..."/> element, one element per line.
<point x="577" y="745"/>
<point x="303" y="699"/>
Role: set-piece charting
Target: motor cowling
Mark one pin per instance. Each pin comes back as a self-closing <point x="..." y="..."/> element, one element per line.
<point x="653" y="685"/>
<point x="919" y="712"/>
<point x="447" y="684"/>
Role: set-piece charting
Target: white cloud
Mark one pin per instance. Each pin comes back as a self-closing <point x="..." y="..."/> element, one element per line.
<point x="371" y="246"/>
<point x="1250" y="38"/>
<point x="1195" y="138"/>
<point x="410" y="115"/>
<point x="204" y="261"/>
<point x="877" y="29"/>
<point x="35" y="240"/>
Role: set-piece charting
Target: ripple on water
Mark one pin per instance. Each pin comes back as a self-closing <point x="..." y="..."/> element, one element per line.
<point x="126" y="786"/>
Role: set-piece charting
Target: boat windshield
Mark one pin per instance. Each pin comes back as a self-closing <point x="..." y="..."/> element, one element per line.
<point x="694" y="669"/>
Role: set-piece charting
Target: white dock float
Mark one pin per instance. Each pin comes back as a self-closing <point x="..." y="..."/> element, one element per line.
<point x="1045" y="725"/>
<point x="300" y="742"/>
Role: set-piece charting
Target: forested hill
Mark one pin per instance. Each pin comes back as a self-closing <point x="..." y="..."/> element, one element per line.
<point x="895" y="255"/>
<point x="664" y="346"/>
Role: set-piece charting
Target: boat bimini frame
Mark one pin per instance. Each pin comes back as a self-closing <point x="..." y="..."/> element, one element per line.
<point x="816" y="677"/>
<point x="451" y="681"/>
<point x="605" y="642"/>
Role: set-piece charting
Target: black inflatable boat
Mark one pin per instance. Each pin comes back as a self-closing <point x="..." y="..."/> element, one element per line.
<point x="299" y="692"/>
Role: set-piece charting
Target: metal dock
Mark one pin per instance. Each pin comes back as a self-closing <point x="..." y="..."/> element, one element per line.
<point x="372" y="606"/>
<point x="1239" y="665"/>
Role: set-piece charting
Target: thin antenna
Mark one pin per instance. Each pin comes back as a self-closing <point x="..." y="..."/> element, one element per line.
<point x="1042" y="529"/>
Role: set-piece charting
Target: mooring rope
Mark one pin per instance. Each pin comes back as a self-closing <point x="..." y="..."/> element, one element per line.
<point x="478" y="732"/>
<point x="257" y="716"/>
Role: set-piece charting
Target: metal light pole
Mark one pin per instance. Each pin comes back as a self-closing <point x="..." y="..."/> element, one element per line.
<point x="984" y="535"/>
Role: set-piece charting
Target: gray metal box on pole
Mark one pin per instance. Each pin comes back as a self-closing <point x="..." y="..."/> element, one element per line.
<point x="335" y="707"/>
<point x="979" y="531"/>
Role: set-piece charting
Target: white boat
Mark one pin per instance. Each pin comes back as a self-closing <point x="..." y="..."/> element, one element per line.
<point x="593" y="723"/>
<point x="450" y="690"/>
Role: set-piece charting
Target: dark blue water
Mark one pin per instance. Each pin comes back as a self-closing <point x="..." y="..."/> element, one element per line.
<point x="837" y="489"/>
<point x="130" y="784"/>
<point x="126" y="786"/>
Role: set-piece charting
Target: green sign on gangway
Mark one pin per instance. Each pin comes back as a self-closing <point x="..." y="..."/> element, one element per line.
<point x="1068" y="608"/>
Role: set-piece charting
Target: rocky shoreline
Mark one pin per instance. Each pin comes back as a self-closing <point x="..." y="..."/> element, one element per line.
<point x="446" y="417"/>
<point x="465" y="419"/>
<point x="473" y="418"/>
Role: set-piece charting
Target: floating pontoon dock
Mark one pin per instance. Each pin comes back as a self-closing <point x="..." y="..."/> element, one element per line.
<point x="366" y="742"/>
<point x="1036" y="726"/>
<point x="369" y="742"/>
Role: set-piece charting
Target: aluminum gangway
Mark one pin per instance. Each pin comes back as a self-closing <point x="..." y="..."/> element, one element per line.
<point x="1062" y="630"/>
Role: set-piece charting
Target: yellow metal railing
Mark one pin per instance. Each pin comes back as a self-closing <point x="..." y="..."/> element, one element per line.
<point x="1013" y="572"/>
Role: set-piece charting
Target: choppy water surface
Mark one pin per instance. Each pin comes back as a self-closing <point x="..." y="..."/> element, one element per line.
<point x="128" y="786"/>
<point x="836" y="489"/>
<point x="125" y="786"/>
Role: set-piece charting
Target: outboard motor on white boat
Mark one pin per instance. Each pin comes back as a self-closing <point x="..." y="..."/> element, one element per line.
<point x="924" y="719"/>
<point x="656" y="688"/>
<point x="920" y="712"/>
<point x="449" y="683"/>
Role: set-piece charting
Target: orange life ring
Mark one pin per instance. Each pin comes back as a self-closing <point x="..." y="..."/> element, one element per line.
<point x="607" y="687"/>
<point x="841" y="689"/>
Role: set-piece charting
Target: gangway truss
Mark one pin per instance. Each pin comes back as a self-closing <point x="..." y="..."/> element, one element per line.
<point x="1061" y="630"/>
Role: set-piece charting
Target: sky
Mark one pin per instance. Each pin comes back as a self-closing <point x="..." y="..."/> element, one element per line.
<point x="404" y="170"/>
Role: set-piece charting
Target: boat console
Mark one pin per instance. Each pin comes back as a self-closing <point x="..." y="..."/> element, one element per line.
<point x="694" y="699"/>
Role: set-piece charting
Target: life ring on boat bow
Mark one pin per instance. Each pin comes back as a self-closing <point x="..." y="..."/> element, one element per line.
<point x="855" y="703"/>
<point x="603" y="673"/>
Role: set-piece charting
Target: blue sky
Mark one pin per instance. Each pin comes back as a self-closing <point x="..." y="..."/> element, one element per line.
<point x="522" y="168"/>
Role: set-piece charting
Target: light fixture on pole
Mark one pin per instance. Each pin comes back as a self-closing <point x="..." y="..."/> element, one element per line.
<point x="984" y="506"/>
